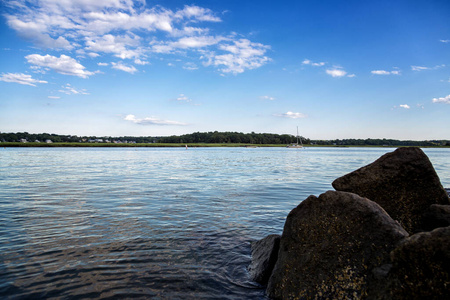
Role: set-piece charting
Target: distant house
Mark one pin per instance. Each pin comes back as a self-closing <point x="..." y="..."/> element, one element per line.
<point x="23" y="140"/>
<point x="48" y="141"/>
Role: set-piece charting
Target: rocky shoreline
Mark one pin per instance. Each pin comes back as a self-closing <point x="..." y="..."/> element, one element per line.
<point x="384" y="233"/>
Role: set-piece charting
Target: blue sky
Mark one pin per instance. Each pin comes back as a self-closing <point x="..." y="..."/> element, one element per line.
<point x="335" y="69"/>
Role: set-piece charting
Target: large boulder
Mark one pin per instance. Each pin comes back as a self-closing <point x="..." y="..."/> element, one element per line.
<point x="421" y="268"/>
<point x="264" y="257"/>
<point x="403" y="182"/>
<point x="329" y="247"/>
<point x="436" y="216"/>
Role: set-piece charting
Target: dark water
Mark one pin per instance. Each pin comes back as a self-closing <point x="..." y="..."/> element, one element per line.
<point x="154" y="223"/>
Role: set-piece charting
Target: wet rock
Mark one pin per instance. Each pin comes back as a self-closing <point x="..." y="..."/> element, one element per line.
<point x="403" y="182"/>
<point x="420" y="267"/>
<point x="436" y="216"/>
<point x="329" y="247"/>
<point x="264" y="257"/>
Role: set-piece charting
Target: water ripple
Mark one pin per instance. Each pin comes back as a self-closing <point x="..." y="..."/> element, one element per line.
<point x="153" y="223"/>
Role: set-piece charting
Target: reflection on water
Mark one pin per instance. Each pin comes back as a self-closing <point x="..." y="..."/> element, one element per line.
<point x="161" y="223"/>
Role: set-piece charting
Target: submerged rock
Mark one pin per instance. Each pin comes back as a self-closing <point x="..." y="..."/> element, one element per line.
<point x="329" y="247"/>
<point x="264" y="257"/>
<point x="420" y="267"/>
<point x="403" y="182"/>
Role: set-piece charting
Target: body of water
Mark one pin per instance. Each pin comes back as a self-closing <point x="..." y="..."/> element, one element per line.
<point x="111" y="223"/>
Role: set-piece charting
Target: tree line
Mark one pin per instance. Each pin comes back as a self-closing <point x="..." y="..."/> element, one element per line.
<point x="381" y="142"/>
<point x="232" y="137"/>
<point x="57" y="138"/>
<point x="213" y="138"/>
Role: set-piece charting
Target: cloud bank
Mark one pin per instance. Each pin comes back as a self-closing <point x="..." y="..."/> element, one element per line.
<point x="128" y="30"/>
<point x="445" y="100"/>
<point x="64" y="64"/>
<point x="20" y="78"/>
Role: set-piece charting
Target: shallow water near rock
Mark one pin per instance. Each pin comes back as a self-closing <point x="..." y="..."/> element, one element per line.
<point x="154" y="223"/>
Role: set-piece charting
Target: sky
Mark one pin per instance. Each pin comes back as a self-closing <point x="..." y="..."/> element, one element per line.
<point x="336" y="69"/>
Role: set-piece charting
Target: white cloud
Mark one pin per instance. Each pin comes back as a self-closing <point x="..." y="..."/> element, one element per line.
<point x="380" y="72"/>
<point x="151" y="121"/>
<point x="314" y="64"/>
<point x="186" y="43"/>
<point x="117" y="45"/>
<point x="50" y="22"/>
<point x="292" y="115"/>
<point x="189" y="31"/>
<point x="105" y="21"/>
<point x="20" y="78"/>
<point x="130" y="30"/>
<point x="54" y="97"/>
<point x="37" y="32"/>
<point x="418" y="68"/>
<point x="384" y="72"/>
<point x="64" y="64"/>
<point x="197" y="14"/>
<point x="267" y="98"/>
<point x="242" y="55"/>
<point x="190" y="66"/>
<point x="141" y="62"/>
<point x="183" y="97"/>
<point x="444" y="41"/>
<point x="102" y="64"/>
<point x="406" y="106"/>
<point x="336" y="72"/>
<point x="70" y="90"/>
<point x="445" y="100"/>
<point x="197" y="42"/>
<point x="67" y="6"/>
<point x="125" y="68"/>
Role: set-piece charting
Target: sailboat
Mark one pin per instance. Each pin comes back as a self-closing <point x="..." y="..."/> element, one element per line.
<point x="296" y="145"/>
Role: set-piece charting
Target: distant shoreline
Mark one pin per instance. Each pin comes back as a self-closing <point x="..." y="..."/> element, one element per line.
<point x="178" y="145"/>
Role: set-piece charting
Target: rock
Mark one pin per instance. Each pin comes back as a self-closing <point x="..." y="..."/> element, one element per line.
<point x="436" y="216"/>
<point x="420" y="267"/>
<point x="329" y="247"/>
<point x="264" y="257"/>
<point x="403" y="182"/>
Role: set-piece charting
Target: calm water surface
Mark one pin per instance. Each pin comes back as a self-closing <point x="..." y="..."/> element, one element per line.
<point x="154" y="223"/>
